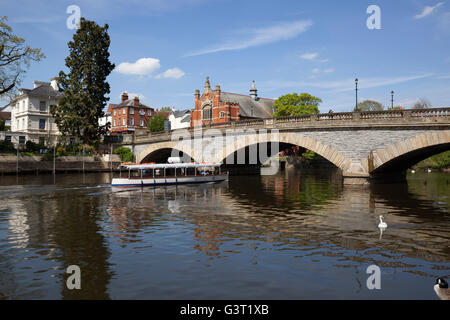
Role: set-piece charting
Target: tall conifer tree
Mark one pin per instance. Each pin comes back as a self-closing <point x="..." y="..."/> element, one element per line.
<point x="85" y="87"/>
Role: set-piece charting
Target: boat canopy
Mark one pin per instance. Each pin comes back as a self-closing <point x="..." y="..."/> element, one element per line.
<point x="169" y="165"/>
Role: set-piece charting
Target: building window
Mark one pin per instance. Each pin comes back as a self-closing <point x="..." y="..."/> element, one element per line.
<point x="8" y="138"/>
<point x="114" y="122"/>
<point x="41" y="123"/>
<point x="131" y="110"/>
<point x="207" y="113"/>
<point x="42" y="141"/>
<point x="123" y="121"/>
<point x="149" y="112"/>
<point x="131" y="121"/>
<point x="222" y="114"/>
<point x="114" y="112"/>
<point x="141" y="123"/>
<point x="42" y="106"/>
<point x="123" y="111"/>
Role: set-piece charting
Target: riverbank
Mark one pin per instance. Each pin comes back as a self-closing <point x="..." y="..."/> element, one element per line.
<point x="439" y="162"/>
<point x="64" y="164"/>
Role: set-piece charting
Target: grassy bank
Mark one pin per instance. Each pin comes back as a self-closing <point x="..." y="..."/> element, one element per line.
<point x="439" y="161"/>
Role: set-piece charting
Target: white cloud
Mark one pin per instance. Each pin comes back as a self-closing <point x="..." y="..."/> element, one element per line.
<point x="143" y="66"/>
<point x="309" y="56"/>
<point x="257" y="37"/>
<point x="428" y="10"/>
<point x="173" y="73"/>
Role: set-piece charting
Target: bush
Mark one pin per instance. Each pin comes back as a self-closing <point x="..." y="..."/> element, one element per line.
<point x="47" y="156"/>
<point x="32" y="147"/>
<point x="60" y="151"/>
<point x="125" y="154"/>
<point x="7" y="146"/>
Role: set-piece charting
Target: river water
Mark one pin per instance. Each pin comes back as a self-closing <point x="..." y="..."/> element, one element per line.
<point x="294" y="235"/>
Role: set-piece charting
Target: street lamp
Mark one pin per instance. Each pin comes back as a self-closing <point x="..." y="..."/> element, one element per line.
<point x="356" y="90"/>
<point x="392" y="99"/>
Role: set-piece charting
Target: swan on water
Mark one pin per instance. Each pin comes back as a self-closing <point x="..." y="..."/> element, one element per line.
<point x="382" y="224"/>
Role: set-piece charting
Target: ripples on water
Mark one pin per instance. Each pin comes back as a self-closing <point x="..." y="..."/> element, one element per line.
<point x="290" y="236"/>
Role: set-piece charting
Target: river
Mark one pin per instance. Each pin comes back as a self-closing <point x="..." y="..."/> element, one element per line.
<point x="294" y="235"/>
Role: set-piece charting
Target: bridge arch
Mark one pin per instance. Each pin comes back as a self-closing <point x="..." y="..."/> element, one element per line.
<point x="160" y="146"/>
<point x="403" y="154"/>
<point x="327" y="151"/>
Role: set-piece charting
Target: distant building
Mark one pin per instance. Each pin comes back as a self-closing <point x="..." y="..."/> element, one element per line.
<point x="107" y="118"/>
<point x="6" y="116"/>
<point x="179" y="119"/>
<point x="220" y="107"/>
<point x="129" y="115"/>
<point x="30" y="111"/>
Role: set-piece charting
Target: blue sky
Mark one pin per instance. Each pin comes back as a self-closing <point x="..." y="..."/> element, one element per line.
<point x="164" y="49"/>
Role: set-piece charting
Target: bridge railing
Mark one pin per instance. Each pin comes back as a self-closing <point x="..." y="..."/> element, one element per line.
<point x="385" y="116"/>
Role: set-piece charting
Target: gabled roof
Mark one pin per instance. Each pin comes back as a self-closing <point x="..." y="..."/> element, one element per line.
<point x="43" y="90"/>
<point x="180" y="113"/>
<point x="130" y="103"/>
<point x="248" y="107"/>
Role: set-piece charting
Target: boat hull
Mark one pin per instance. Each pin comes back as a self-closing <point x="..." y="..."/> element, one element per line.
<point x="160" y="181"/>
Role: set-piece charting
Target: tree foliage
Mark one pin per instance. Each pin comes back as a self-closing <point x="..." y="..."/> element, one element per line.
<point x="124" y="153"/>
<point x="85" y="85"/>
<point x="156" y="123"/>
<point x="2" y="125"/>
<point x="166" y="109"/>
<point x="369" y="105"/>
<point x="295" y="104"/>
<point x="422" y="104"/>
<point x="15" y="58"/>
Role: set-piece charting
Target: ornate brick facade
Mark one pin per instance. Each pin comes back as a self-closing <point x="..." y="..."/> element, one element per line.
<point x="221" y="107"/>
<point x="129" y="114"/>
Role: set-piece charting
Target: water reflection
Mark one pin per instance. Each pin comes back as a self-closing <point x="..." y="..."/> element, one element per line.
<point x="253" y="237"/>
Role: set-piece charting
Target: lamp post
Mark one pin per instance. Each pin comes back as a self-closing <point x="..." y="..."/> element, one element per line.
<point x="392" y="99"/>
<point x="356" y="91"/>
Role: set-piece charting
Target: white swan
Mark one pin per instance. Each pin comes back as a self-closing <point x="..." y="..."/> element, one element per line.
<point x="441" y="289"/>
<point x="413" y="171"/>
<point x="382" y="224"/>
<point x="428" y="170"/>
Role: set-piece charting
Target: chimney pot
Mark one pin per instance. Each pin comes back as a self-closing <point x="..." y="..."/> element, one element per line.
<point x="124" y="96"/>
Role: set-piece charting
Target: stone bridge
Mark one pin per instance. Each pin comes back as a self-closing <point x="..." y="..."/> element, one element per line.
<point x="363" y="145"/>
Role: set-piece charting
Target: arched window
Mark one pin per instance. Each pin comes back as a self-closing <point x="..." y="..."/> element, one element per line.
<point x="207" y="112"/>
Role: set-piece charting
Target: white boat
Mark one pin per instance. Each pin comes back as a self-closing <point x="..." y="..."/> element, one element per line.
<point x="154" y="174"/>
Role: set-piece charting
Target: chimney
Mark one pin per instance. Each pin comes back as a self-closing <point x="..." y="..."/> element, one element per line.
<point x="136" y="101"/>
<point x="253" y="91"/>
<point x="54" y="83"/>
<point x="197" y="94"/>
<point x="124" y="96"/>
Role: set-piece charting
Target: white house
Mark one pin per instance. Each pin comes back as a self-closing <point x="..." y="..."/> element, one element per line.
<point x="107" y="118"/>
<point x="179" y="119"/>
<point x="30" y="111"/>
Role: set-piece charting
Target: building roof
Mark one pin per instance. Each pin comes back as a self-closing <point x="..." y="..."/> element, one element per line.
<point x="129" y="103"/>
<point x="5" y="115"/>
<point x="179" y="113"/>
<point x="249" y="107"/>
<point x="187" y="118"/>
<point x="44" y="89"/>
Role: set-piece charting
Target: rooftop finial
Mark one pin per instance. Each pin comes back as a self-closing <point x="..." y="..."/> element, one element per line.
<point x="207" y="85"/>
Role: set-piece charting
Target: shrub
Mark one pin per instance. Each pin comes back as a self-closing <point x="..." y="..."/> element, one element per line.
<point x="124" y="153"/>
<point x="60" y="151"/>
<point x="47" y="156"/>
<point x="7" y="146"/>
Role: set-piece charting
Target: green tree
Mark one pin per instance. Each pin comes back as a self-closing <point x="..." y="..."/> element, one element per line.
<point x="369" y="105"/>
<point x="156" y="123"/>
<point x="15" y="58"/>
<point x="2" y="125"/>
<point x="85" y="85"/>
<point x="124" y="153"/>
<point x="396" y="108"/>
<point x="294" y="105"/>
<point x="166" y="109"/>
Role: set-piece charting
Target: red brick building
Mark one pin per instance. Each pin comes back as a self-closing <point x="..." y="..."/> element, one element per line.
<point x="219" y="107"/>
<point x="129" y="115"/>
